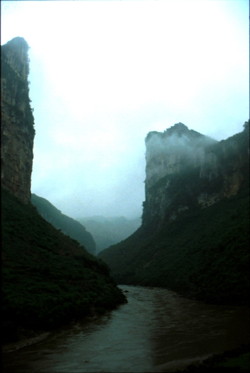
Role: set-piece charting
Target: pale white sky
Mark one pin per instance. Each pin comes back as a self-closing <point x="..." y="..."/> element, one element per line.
<point x="105" y="73"/>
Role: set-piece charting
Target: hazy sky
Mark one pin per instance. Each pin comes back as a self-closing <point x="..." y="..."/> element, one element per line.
<point x="105" y="73"/>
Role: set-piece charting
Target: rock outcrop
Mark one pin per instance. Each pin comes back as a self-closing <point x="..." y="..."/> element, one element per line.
<point x="194" y="237"/>
<point x="17" y="127"/>
<point x="48" y="279"/>
<point x="172" y="151"/>
<point x="187" y="170"/>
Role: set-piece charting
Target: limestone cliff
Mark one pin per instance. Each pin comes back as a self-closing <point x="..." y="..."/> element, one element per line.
<point x="17" y="129"/>
<point x="186" y="170"/>
<point x="194" y="237"/>
<point x="48" y="279"/>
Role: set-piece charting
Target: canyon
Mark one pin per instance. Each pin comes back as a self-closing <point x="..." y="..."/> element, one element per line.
<point x="194" y="236"/>
<point x="48" y="278"/>
<point x="193" y="242"/>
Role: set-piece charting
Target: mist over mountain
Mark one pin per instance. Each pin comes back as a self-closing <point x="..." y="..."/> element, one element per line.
<point x="68" y="225"/>
<point x="48" y="279"/>
<point x="108" y="231"/>
<point x="194" y="237"/>
<point x="172" y="151"/>
<point x="129" y="116"/>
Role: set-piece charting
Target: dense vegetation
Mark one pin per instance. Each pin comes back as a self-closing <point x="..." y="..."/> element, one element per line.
<point x="204" y="254"/>
<point x="47" y="278"/>
<point x="69" y="226"/>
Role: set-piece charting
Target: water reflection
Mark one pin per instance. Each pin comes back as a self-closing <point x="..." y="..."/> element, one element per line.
<point x="156" y="331"/>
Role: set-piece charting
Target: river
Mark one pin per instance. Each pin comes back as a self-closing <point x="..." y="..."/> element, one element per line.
<point x="156" y="331"/>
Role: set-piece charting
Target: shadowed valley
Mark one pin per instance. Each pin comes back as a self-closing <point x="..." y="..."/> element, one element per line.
<point x="48" y="279"/>
<point x="192" y="241"/>
<point x="194" y="237"/>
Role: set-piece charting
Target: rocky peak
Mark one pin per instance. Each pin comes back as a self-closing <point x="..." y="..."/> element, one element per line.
<point x="178" y="129"/>
<point x="15" y="53"/>
<point x="185" y="169"/>
<point x="17" y="129"/>
<point x="173" y="150"/>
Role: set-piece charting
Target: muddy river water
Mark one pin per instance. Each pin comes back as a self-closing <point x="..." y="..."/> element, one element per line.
<point x="156" y="331"/>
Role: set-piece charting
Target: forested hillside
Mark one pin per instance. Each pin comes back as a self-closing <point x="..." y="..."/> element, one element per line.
<point x="195" y="233"/>
<point x="66" y="224"/>
<point x="48" y="279"/>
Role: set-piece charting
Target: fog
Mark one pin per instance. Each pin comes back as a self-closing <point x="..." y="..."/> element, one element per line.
<point x="104" y="74"/>
<point x="174" y="150"/>
<point x="190" y="144"/>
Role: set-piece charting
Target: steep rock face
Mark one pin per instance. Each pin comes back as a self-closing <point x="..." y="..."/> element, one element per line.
<point x="69" y="226"/>
<point x="17" y="131"/>
<point x="48" y="279"/>
<point x="172" y="151"/>
<point x="194" y="237"/>
<point x="186" y="170"/>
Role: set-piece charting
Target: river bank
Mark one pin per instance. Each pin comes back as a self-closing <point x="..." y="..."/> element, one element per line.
<point x="156" y="331"/>
<point x="237" y="360"/>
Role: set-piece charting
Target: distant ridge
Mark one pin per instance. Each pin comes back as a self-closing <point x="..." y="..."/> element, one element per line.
<point x="108" y="231"/>
<point x="69" y="226"/>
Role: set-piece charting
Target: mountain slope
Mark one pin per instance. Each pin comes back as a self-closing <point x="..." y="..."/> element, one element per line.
<point x="47" y="278"/>
<point x="204" y="256"/>
<point x="68" y="225"/>
<point x="196" y="246"/>
<point x="109" y="231"/>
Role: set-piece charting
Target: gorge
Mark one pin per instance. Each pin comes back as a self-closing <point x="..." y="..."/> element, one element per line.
<point x="194" y="237"/>
<point x="193" y="242"/>
<point x="48" y="279"/>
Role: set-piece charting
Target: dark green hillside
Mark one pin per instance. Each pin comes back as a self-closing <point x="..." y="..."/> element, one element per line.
<point x="69" y="226"/>
<point x="47" y="278"/>
<point x="204" y="254"/>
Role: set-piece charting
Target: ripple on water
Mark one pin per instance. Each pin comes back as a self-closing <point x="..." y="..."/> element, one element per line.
<point x="157" y="330"/>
